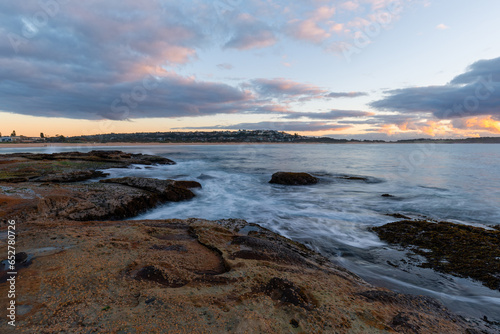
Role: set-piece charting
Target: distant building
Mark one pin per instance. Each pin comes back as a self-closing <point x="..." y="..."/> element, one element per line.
<point x="6" y="139"/>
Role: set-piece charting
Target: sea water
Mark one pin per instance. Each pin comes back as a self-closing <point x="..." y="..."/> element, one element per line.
<point x="453" y="182"/>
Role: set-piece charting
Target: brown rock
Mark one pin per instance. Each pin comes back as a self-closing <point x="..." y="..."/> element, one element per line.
<point x="75" y="176"/>
<point x="295" y="179"/>
<point x="167" y="190"/>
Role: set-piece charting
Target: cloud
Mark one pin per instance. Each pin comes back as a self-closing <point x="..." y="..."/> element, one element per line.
<point x="281" y="87"/>
<point x="442" y="26"/>
<point x="316" y="28"/>
<point x="331" y="115"/>
<point x="278" y="126"/>
<point x="478" y="123"/>
<point x="343" y="94"/>
<point x="120" y="59"/>
<point x="473" y="93"/>
<point x="250" y="33"/>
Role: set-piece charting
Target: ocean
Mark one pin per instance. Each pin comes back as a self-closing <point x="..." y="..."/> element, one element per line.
<point x="448" y="182"/>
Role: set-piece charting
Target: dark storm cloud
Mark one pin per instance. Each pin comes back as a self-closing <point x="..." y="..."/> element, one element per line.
<point x="473" y="93"/>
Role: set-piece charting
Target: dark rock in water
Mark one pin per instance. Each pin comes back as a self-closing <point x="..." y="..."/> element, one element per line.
<point x="387" y="195"/>
<point x="355" y="178"/>
<point x="74" y="176"/>
<point x="186" y="184"/>
<point x="293" y="179"/>
<point x="287" y="292"/>
<point x="21" y="257"/>
<point x="461" y="250"/>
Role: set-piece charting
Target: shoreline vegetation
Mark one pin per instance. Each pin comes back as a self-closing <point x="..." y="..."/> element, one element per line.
<point x="213" y="138"/>
<point x="82" y="267"/>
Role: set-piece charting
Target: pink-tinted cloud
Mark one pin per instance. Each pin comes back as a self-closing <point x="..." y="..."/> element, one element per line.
<point x="250" y="33"/>
<point x="281" y="87"/>
<point x="316" y="28"/>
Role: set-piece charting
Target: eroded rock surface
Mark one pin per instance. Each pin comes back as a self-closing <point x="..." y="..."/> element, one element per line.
<point x="176" y="276"/>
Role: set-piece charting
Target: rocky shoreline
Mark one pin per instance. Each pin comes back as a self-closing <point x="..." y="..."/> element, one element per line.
<point x="83" y="269"/>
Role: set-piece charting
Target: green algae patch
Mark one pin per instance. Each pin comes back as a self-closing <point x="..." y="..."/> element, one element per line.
<point x="461" y="250"/>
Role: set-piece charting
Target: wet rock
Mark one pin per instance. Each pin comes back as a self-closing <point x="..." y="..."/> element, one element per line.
<point x="21" y="257"/>
<point x="387" y="195"/>
<point x="95" y="202"/>
<point x="186" y="184"/>
<point x="461" y="250"/>
<point x="75" y="176"/>
<point x="168" y="190"/>
<point x="287" y="292"/>
<point x="288" y="178"/>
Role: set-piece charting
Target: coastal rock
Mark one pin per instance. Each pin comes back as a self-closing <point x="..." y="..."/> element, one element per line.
<point x="95" y="202"/>
<point x="461" y="250"/>
<point x="288" y="178"/>
<point x="118" y="158"/>
<point x="75" y="176"/>
<point x="167" y="190"/>
<point x="68" y="166"/>
<point x="201" y="288"/>
<point x="89" y="201"/>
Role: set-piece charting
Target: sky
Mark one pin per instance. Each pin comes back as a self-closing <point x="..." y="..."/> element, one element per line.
<point x="363" y="69"/>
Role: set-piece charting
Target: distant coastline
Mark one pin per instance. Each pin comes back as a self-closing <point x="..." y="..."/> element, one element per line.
<point x="250" y="137"/>
<point x="124" y="144"/>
